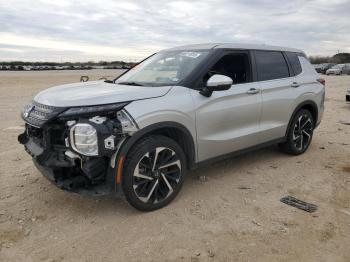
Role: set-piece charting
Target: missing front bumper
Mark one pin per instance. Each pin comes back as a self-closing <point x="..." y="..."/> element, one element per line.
<point x="78" y="183"/>
<point x="92" y="176"/>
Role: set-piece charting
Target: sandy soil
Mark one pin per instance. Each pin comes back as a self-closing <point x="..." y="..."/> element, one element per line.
<point x="212" y="219"/>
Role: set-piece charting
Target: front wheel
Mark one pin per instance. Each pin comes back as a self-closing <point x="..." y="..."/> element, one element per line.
<point x="299" y="134"/>
<point x="153" y="173"/>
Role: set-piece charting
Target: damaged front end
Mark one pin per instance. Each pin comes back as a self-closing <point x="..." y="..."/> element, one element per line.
<point x="76" y="148"/>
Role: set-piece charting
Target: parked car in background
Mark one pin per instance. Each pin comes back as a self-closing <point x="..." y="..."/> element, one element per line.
<point x="339" y="69"/>
<point x="322" y="68"/>
<point x="317" y="66"/>
<point x="27" y="67"/>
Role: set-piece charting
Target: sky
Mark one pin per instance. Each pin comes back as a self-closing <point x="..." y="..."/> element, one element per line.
<point x="84" y="30"/>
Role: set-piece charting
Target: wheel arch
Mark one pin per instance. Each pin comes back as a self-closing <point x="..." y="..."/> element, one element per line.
<point x="308" y="105"/>
<point x="173" y="130"/>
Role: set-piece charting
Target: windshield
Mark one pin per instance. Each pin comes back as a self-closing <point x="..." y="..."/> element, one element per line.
<point x="164" y="68"/>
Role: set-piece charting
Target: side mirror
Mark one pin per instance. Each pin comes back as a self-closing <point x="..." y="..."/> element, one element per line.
<point x="216" y="83"/>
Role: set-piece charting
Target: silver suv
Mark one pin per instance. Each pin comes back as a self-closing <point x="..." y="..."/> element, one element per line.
<point x="138" y="134"/>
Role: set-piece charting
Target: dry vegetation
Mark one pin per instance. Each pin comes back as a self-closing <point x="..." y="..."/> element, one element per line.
<point x="232" y="213"/>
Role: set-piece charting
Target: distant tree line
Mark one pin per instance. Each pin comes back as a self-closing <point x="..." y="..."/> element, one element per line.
<point x="90" y="63"/>
<point x="21" y="65"/>
<point x="341" y="58"/>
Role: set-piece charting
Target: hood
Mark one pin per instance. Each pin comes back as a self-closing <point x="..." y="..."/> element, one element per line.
<point x="96" y="93"/>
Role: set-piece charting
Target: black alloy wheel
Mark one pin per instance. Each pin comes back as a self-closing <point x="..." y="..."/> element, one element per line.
<point x="154" y="173"/>
<point x="300" y="133"/>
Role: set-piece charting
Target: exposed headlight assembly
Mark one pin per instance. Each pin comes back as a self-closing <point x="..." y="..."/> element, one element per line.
<point x="97" y="135"/>
<point x="83" y="138"/>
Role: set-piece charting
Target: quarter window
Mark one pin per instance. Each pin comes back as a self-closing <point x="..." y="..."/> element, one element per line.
<point x="271" y="65"/>
<point x="294" y="62"/>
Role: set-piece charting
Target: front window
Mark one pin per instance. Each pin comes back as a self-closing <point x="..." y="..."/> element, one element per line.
<point x="234" y="65"/>
<point x="164" y="68"/>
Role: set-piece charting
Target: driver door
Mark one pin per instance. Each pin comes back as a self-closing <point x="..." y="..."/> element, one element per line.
<point x="228" y="120"/>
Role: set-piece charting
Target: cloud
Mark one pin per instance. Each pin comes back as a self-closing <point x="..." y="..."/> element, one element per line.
<point x="85" y="30"/>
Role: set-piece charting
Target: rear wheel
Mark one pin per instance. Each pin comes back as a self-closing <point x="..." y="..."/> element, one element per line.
<point x="153" y="173"/>
<point x="299" y="134"/>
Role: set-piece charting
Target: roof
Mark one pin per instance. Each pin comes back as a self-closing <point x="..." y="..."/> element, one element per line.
<point x="233" y="46"/>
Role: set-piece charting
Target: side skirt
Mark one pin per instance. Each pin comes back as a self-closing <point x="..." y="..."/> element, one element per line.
<point x="239" y="152"/>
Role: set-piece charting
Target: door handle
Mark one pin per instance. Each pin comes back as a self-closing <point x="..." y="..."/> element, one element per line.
<point x="295" y="85"/>
<point x="253" y="91"/>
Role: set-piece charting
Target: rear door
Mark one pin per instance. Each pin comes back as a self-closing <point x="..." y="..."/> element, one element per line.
<point x="279" y="90"/>
<point x="228" y="120"/>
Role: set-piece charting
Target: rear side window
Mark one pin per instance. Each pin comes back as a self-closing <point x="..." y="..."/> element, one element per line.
<point x="294" y="62"/>
<point x="271" y="65"/>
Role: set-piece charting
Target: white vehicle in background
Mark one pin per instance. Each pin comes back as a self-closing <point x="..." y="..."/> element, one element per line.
<point x="59" y="67"/>
<point x="339" y="69"/>
<point x="27" y="67"/>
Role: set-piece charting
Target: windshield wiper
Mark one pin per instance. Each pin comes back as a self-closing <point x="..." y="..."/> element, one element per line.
<point x="130" y="83"/>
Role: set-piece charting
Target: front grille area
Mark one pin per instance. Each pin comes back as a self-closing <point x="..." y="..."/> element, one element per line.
<point x="37" y="135"/>
<point x="38" y="114"/>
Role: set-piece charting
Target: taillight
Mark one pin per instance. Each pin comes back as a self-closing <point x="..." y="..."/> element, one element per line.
<point x="322" y="81"/>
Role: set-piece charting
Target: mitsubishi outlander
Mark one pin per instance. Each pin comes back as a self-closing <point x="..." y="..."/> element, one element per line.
<point x="137" y="136"/>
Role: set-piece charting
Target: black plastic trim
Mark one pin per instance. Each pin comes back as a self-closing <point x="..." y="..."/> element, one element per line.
<point x="240" y="152"/>
<point x="290" y="68"/>
<point x="114" y="107"/>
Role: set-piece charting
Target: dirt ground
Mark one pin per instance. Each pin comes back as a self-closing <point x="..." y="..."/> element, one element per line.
<point x="232" y="213"/>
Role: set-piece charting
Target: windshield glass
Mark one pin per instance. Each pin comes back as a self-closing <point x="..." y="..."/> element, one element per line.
<point x="164" y="68"/>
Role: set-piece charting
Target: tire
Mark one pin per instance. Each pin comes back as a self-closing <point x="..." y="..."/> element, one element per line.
<point x="153" y="173"/>
<point x="300" y="133"/>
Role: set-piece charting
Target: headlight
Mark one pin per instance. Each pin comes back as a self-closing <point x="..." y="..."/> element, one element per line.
<point x="83" y="138"/>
